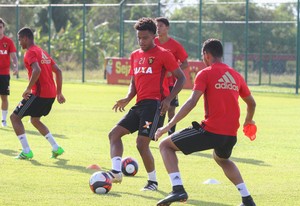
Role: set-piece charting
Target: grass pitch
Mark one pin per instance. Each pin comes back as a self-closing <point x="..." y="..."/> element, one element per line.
<point x="270" y="164"/>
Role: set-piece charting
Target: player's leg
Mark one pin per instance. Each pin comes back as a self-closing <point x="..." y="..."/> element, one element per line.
<point x="149" y="121"/>
<point x="4" y="92"/>
<point x="4" y="109"/>
<point x="168" y="152"/>
<point x="221" y="156"/>
<point x="116" y="145"/>
<point x="42" y="128"/>
<point x="171" y="111"/>
<point x="142" y="144"/>
<point x="171" y="114"/>
<point x="16" y="120"/>
<point x="189" y="140"/>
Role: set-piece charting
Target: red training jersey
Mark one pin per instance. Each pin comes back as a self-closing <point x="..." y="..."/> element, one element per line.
<point x="45" y="86"/>
<point x="149" y="70"/>
<point x="177" y="50"/>
<point x="7" y="46"/>
<point x="222" y="87"/>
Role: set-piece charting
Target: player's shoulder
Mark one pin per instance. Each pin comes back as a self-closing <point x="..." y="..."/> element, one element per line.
<point x="175" y="42"/>
<point x="7" y="39"/>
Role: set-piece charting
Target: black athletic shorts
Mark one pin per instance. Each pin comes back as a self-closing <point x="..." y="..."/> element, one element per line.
<point x="4" y="84"/>
<point x="143" y="117"/>
<point x="34" y="106"/>
<point x="175" y="101"/>
<point x="195" y="139"/>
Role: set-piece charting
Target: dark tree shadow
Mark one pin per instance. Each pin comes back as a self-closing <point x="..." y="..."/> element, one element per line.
<point x="149" y="197"/>
<point x="235" y="159"/>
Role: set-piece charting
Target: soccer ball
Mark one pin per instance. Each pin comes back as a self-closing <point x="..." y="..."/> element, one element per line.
<point x="100" y="183"/>
<point x="129" y="166"/>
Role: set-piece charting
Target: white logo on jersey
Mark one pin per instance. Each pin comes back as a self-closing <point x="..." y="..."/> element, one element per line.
<point x="227" y="82"/>
<point x="144" y="70"/>
<point x="4" y="52"/>
<point x="45" y="59"/>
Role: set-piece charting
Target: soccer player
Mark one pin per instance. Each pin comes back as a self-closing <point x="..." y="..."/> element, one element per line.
<point x="164" y="40"/>
<point x="39" y="95"/>
<point x="221" y="86"/>
<point x="7" y="53"/>
<point x="149" y="65"/>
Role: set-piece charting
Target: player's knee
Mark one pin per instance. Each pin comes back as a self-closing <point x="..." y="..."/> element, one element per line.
<point x="163" y="146"/>
<point x="13" y="117"/>
<point x="34" y="121"/>
<point x="141" y="145"/>
<point x="220" y="160"/>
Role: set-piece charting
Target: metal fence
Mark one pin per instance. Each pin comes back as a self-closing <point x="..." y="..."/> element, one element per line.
<point x="265" y="49"/>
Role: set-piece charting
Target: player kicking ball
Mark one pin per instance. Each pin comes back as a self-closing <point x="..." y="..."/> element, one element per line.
<point x="221" y="87"/>
<point x="39" y="95"/>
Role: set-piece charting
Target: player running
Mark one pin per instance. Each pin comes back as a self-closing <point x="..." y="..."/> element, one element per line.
<point x="39" y="95"/>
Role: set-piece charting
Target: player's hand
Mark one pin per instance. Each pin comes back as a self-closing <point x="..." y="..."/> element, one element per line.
<point x="169" y="74"/>
<point x="160" y="131"/>
<point x="15" y="71"/>
<point x="120" y="105"/>
<point x="26" y="94"/>
<point x="164" y="106"/>
<point x="250" y="130"/>
<point x="61" y="99"/>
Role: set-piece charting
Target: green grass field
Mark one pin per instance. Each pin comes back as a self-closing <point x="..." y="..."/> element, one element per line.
<point x="270" y="164"/>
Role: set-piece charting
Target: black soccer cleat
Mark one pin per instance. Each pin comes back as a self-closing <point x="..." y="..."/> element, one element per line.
<point x="150" y="186"/>
<point x="247" y="201"/>
<point x="177" y="195"/>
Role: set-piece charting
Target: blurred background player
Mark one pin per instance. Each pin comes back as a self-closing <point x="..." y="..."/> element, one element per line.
<point x="39" y="95"/>
<point x="164" y="40"/>
<point x="221" y="86"/>
<point x="149" y="65"/>
<point x="7" y="53"/>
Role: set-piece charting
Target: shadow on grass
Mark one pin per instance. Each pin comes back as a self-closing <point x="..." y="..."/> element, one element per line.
<point x="234" y="159"/>
<point x="59" y="163"/>
<point x="8" y="152"/>
<point x="164" y="194"/>
<point x="32" y="132"/>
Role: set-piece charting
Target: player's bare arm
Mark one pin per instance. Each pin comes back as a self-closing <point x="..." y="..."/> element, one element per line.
<point x="13" y="57"/>
<point x="121" y="104"/>
<point x="251" y="104"/>
<point x="58" y="78"/>
<point x="184" y="64"/>
<point x="165" y="104"/>
<point x="184" y="110"/>
<point x="36" y="70"/>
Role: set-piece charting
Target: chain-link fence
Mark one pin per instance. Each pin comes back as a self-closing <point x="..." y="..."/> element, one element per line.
<point x="260" y="39"/>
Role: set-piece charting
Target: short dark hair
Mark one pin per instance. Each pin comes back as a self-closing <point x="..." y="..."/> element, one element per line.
<point x="214" y="47"/>
<point x="145" y="24"/>
<point x="25" y="31"/>
<point x="163" y="20"/>
<point x="2" y="22"/>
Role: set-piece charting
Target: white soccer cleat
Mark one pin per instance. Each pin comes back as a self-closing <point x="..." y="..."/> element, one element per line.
<point x="115" y="177"/>
<point x="4" y="124"/>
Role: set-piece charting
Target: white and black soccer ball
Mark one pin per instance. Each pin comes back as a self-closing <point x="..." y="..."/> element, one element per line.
<point x="100" y="183"/>
<point x="129" y="166"/>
